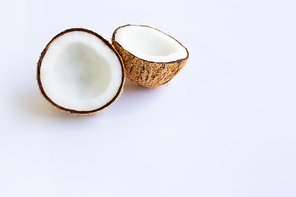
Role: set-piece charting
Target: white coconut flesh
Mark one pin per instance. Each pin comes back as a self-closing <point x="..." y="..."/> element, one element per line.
<point x="150" y="44"/>
<point x="80" y="72"/>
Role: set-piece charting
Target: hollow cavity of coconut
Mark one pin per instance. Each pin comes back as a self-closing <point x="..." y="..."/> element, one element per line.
<point x="151" y="58"/>
<point x="80" y="72"/>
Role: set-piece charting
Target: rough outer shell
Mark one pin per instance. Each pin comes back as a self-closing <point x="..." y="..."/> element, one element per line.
<point x="146" y="73"/>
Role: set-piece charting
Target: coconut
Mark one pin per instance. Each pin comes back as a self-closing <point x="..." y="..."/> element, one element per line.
<point x="151" y="58"/>
<point x="80" y="72"/>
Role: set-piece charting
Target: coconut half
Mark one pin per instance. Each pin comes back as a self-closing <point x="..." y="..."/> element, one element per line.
<point x="80" y="72"/>
<point x="151" y="58"/>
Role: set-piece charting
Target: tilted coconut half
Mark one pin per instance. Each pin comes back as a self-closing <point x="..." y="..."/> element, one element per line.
<point x="151" y="58"/>
<point x="80" y="72"/>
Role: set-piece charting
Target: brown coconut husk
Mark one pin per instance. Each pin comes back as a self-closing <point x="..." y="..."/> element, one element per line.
<point x="147" y="73"/>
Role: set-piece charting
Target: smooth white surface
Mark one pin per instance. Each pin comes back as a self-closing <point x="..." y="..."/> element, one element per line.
<point x="149" y="44"/>
<point x="80" y="72"/>
<point x="224" y="126"/>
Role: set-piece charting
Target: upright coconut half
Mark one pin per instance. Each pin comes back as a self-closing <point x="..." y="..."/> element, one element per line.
<point x="151" y="58"/>
<point x="80" y="72"/>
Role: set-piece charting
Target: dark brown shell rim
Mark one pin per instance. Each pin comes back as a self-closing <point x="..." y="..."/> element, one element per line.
<point x="71" y="110"/>
<point x="171" y="62"/>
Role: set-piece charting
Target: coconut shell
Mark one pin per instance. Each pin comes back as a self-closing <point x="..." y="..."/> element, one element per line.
<point x="71" y="111"/>
<point x="148" y="73"/>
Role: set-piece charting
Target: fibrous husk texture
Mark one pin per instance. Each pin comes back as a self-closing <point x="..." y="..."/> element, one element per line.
<point x="147" y="73"/>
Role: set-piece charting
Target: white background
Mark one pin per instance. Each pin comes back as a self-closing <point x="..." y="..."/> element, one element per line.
<point x="224" y="126"/>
